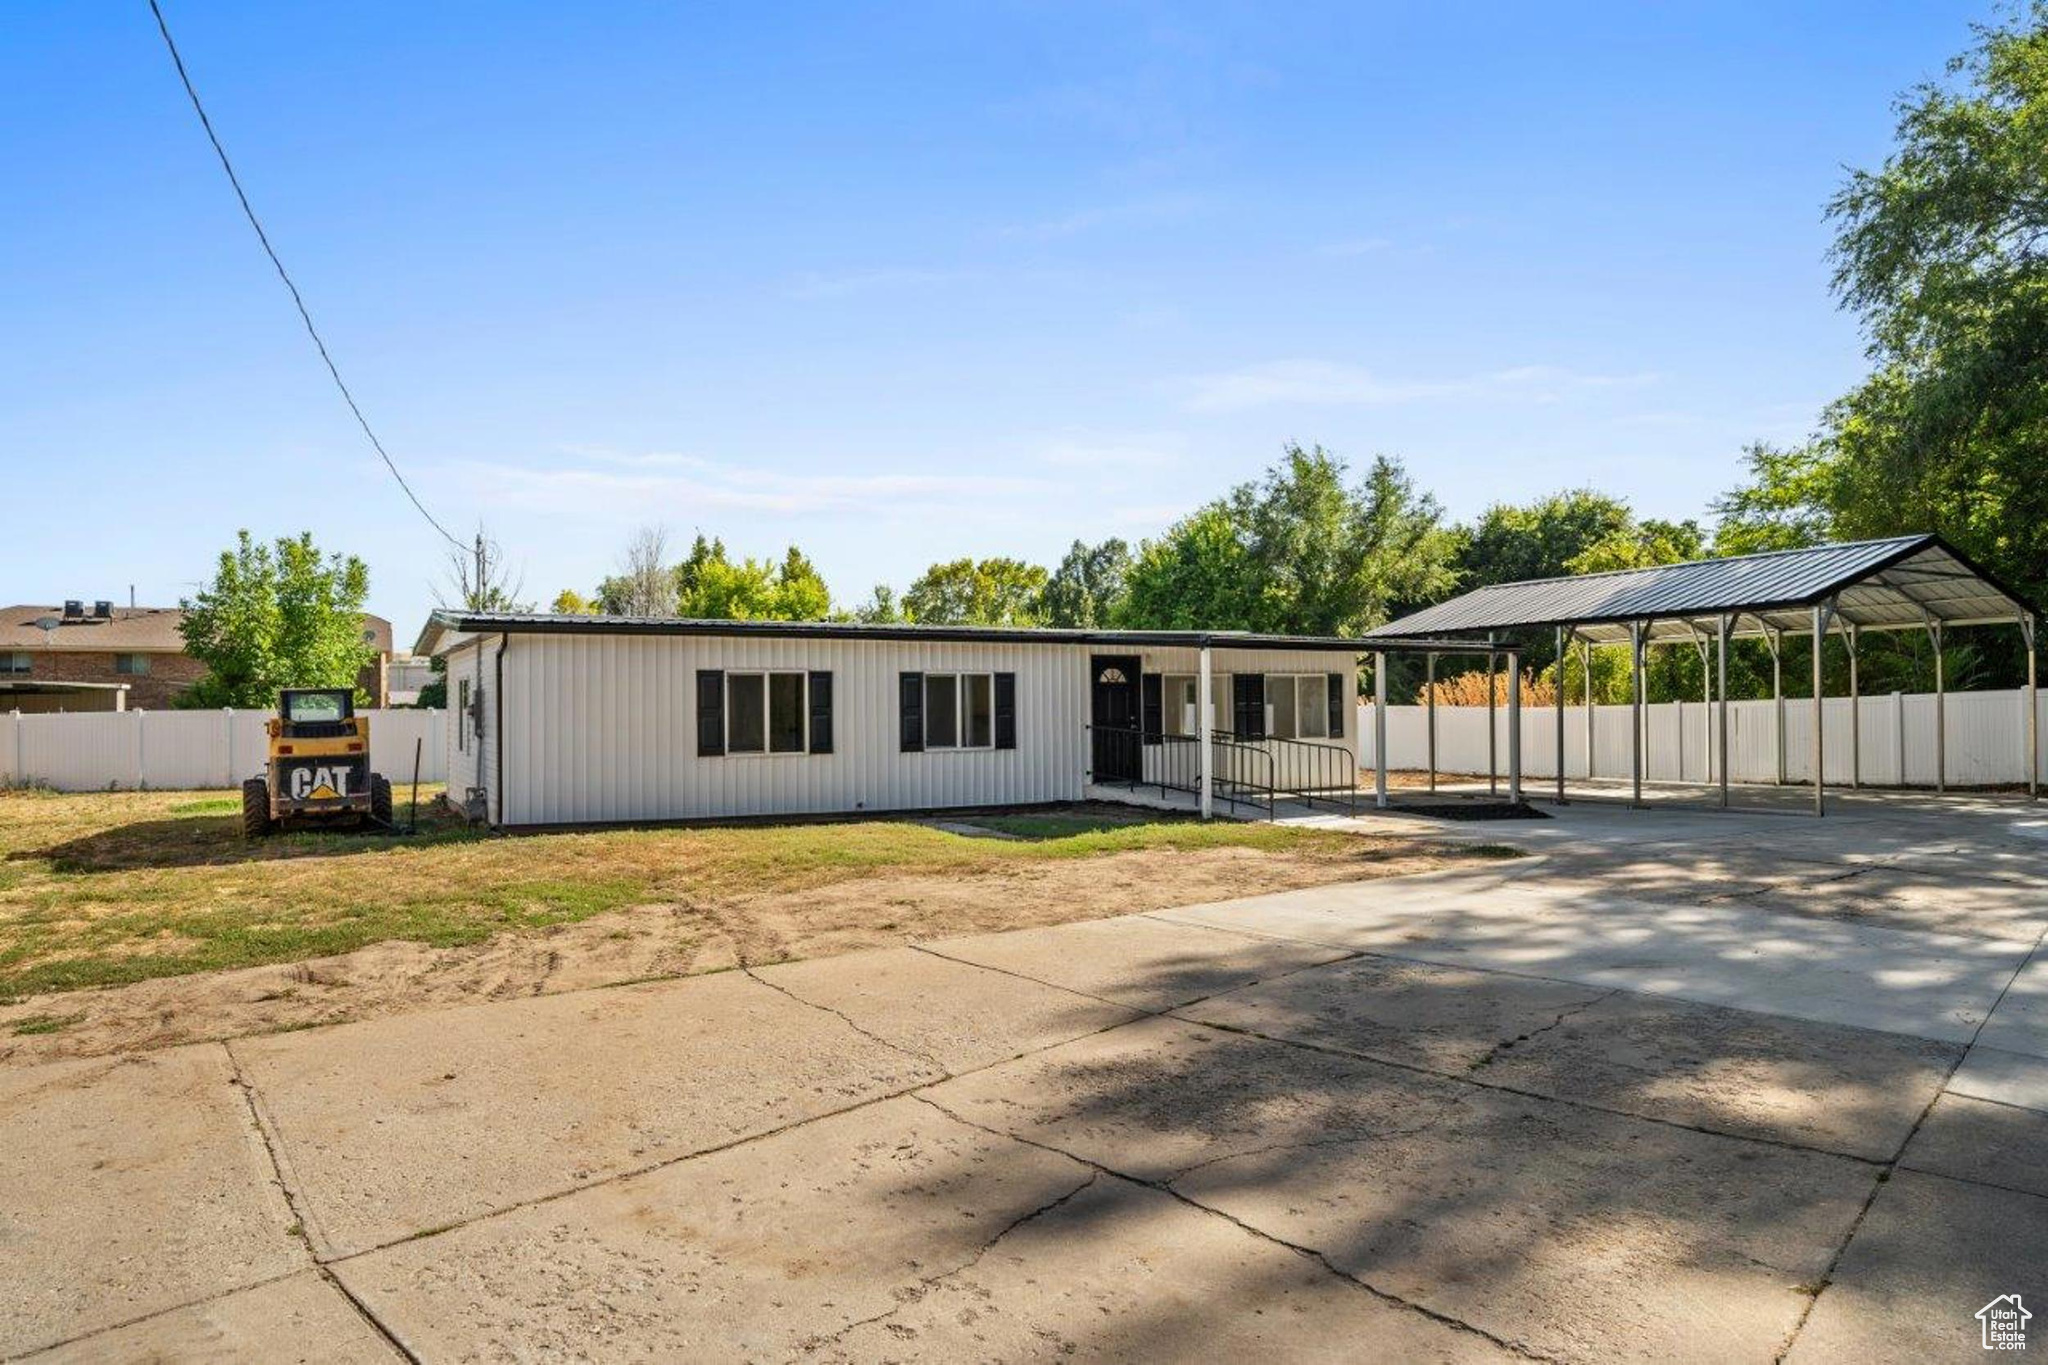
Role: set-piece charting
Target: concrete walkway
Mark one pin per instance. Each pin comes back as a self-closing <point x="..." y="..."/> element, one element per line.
<point x="1680" y="1087"/>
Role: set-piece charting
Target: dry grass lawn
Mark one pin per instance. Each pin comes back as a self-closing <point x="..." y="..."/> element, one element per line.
<point x="210" y="936"/>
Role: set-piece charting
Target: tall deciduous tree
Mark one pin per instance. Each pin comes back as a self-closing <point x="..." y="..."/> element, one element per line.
<point x="1942" y="252"/>
<point x="1088" y="588"/>
<point x="276" y="616"/>
<point x="1298" y="551"/>
<point x="979" y="592"/>
<point x="1511" y="542"/>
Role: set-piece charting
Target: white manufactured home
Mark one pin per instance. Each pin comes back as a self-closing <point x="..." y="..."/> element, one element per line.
<point x="561" y="720"/>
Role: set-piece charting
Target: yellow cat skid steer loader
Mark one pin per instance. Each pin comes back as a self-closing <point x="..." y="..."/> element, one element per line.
<point x="318" y="771"/>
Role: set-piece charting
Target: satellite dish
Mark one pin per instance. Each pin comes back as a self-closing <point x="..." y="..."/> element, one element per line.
<point x="47" y="624"/>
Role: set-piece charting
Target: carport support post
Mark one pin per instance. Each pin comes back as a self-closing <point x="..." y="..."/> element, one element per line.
<point x="1821" y="612"/>
<point x="1515" y="728"/>
<point x="1379" y="730"/>
<point x="1849" y="634"/>
<point x="2033" y="709"/>
<point x="1586" y="667"/>
<point x="1635" y="701"/>
<point x="1560" y="715"/>
<point x="1429" y="698"/>
<point x="1776" y="640"/>
<point x="1721" y="624"/>
<point x="1203" y="714"/>
<point x="1492" y="729"/>
<point x="1940" y="710"/>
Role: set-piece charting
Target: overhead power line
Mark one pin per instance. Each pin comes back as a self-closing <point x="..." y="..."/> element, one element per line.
<point x="297" y="301"/>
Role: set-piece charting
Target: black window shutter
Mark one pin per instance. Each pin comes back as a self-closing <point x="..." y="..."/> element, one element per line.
<point x="1337" y="700"/>
<point x="1006" y="710"/>
<point x="910" y="689"/>
<point x="821" y="713"/>
<point x="1248" y="702"/>
<point x="710" y="713"/>
<point x="1154" y="704"/>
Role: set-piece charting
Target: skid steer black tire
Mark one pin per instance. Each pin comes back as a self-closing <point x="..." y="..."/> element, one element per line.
<point x="380" y="802"/>
<point x="256" y="821"/>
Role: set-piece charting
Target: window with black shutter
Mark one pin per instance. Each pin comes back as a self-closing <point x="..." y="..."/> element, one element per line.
<point x="1248" y="705"/>
<point x="1152" y="708"/>
<point x="710" y="712"/>
<point x="1006" y="710"/>
<point x="910" y="707"/>
<point x="821" y="713"/>
<point x="1339" y="699"/>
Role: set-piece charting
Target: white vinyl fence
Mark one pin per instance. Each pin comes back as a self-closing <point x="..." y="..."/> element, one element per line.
<point x="1987" y="740"/>
<point x="134" y="750"/>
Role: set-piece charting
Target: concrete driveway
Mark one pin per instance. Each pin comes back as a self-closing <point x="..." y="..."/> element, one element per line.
<point x="1681" y="1086"/>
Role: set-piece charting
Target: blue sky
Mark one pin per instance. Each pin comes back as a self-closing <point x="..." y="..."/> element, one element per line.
<point x="906" y="282"/>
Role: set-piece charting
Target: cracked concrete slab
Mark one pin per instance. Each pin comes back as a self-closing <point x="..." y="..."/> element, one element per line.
<point x="1994" y="1144"/>
<point x="1938" y="986"/>
<point x="1413" y="1013"/>
<point x="2014" y="1078"/>
<point x="1126" y="1272"/>
<point x="952" y="1014"/>
<point x="2020" y="1023"/>
<point x="299" y="1320"/>
<point x="400" y="1125"/>
<point x="1848" y="1090"/>
<point x="128" y="1187"/>
<point x="757" y="1252"/>
<point x="1137" y="960"/>
<point x="1931" y="1253"/>
<point x="1579" y="1234"/>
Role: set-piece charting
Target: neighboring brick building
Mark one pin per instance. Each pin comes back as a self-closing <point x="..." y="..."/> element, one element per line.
<point x="94" y="656"/>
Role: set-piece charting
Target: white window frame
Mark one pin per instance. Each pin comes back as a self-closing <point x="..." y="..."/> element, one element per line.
<point x="1316" y="683"/>
<point x="9" y="658"/>
<point x="138" y="664"/>
<point x="1221" y="717"/>
<point x="462" y="715"/>
<point x="803" y="712"/>
<point x="960" y="677"/>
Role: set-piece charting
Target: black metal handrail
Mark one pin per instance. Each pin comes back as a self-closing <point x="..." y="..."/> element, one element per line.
<point x="1331" y="771"/>
<point x="1242" y="772"/>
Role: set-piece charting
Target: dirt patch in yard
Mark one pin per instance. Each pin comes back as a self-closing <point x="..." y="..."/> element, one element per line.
<point x="681" y="938"/>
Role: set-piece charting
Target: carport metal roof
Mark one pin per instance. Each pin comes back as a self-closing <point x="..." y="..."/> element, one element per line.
<point x="1896" y="584"/>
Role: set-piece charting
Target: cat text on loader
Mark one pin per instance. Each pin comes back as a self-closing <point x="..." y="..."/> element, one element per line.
<point x="318" y="770"/>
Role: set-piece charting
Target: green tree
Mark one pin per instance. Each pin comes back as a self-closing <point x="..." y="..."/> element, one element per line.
<point x="569" y="602"/>
<point x="1540" y="539"/>
<point x="1196" y="576"/>
<point x="276" y="616"/>
<point x="978" y="592"/>
<point x="1641" y="545"/>
<point x="1298" y="551"/>
<point x="1942" y="252"/>
<point x="1087" y="589"/>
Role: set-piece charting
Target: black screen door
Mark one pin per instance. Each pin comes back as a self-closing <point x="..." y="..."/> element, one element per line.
<point x="1113" y="712"/>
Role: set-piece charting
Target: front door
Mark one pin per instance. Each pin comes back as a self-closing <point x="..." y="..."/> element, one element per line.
<point x="1114" y="712"/>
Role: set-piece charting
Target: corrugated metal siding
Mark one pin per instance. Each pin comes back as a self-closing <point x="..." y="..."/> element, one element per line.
<point x="603" y="728"/>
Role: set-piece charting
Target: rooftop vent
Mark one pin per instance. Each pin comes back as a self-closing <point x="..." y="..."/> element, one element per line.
<point x="103" y="609"/>
<point x="74" y="609"/>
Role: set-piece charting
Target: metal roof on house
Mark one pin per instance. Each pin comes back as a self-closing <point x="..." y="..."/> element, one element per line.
<point x="442" y="624"/>
<point x="1893" y="584"/>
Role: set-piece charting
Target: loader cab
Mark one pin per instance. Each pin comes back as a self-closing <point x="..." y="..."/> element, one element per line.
<point x="315" y="712"/>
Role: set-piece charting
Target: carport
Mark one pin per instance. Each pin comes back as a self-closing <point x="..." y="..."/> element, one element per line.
<point x="1917" y="582"/>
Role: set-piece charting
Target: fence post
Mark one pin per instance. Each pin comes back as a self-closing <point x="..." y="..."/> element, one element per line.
<point x="227" y="714"/>
<point x="20" y="749"/>
<point x="141" y="750"/>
